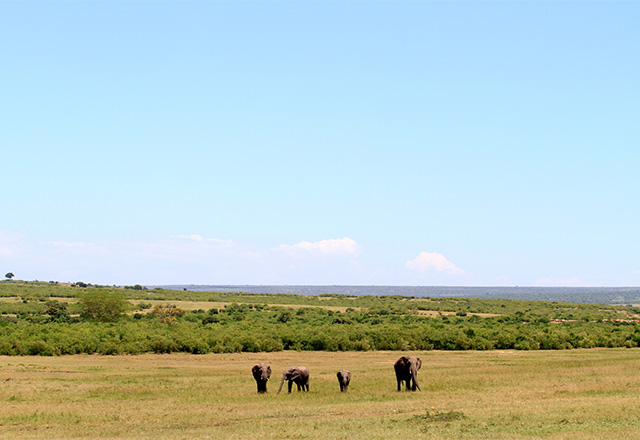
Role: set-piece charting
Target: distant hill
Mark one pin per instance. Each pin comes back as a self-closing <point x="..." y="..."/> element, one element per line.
<point x="590" y="295"/>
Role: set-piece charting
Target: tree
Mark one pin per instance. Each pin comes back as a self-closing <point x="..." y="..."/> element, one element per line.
<point x="167" y="313"/>
<point x="57" y="311"/>
<point x="9" y="275"/>
<point x="102" y="305"/>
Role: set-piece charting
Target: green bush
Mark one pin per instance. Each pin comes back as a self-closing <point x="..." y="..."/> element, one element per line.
<point x="102" y="305"/>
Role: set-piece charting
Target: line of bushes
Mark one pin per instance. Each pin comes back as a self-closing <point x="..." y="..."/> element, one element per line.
<point x="147" y="336"/>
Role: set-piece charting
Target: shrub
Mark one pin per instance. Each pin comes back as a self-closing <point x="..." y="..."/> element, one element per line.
<point x="57" y="311"/>
<point x="161" y="344"/>
<point x="102" y="305"/>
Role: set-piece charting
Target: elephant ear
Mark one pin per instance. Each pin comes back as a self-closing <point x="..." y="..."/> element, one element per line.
<point x="419" y="362"/>
<point x="268" y="371"/>
<point x="255" y="370"/>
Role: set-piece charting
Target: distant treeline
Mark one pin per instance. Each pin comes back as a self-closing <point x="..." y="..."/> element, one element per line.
<point x="52" y="319"/>
<point x="590" y="295"/>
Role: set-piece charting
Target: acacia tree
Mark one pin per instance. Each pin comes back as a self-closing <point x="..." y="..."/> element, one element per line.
<point x="9" y="275"/>
<point x="167" y="313"/>
<point x="102" y="305"/>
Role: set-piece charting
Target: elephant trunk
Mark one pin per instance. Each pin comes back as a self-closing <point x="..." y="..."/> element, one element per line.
<point x="414" y="376"/>
<point x="281" y="383"/>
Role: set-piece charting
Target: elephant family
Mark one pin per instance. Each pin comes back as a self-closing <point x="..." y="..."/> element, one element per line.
<point x="299" y="375"/>
<point x="407" y="371"/>
<point x="261" y="373"/>
<point x="344" y="377"/>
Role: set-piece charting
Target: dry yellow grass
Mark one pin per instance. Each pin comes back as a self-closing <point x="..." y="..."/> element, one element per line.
<point x="186" y="305"/>
<point x="436" y="313"/>
<point x="468" y="395"/>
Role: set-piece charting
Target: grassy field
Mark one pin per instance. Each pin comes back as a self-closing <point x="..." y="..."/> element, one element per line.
<point x="570" y="394"/>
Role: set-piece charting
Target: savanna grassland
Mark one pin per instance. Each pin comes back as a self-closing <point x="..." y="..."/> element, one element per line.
<point x="562" y="394"/>
<point x="93" y="362"/>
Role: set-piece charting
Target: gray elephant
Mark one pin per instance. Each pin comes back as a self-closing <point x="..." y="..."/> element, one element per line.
<point x="407" y="371"/>
<point x="299" y="375"/>
<point x="344" y="377"/>
<point x="261" y="373"/>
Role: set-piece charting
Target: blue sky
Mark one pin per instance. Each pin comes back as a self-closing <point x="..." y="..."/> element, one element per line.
<point x="282" y="142"/>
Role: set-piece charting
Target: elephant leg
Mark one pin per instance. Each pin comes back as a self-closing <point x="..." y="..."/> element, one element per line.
<point x="290" y="386"/>
<point x="399" y="385"/>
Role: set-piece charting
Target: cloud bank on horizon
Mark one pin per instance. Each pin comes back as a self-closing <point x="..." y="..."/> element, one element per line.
<point x="426" y="261"/>
<point x="332" y="246"/>
<point x="194" y="259"/>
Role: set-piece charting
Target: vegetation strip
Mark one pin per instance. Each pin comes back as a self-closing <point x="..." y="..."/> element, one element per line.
<point x="38" y="318"/>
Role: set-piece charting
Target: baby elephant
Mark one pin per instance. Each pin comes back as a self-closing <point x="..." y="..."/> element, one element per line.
<point x="297" y="375"/>
<point x="261" y="373"/>
<point x="344" y="377"/>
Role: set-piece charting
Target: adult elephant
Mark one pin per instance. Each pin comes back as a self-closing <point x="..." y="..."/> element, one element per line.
<point x="407" y="371"/>
<point x="261" y="373"/>
<point x="299" y="375"/>
<point x="344" y="377"/>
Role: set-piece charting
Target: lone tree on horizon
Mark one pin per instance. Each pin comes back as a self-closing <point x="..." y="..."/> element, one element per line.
<point x="9" y="275"/>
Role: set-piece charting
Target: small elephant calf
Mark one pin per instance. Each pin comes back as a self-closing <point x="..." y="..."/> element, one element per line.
<point x="344" y="377"/>
<point x="297" y="375"/>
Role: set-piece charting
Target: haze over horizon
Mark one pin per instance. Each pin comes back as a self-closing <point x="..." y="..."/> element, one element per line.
<point x="467" y="143"/>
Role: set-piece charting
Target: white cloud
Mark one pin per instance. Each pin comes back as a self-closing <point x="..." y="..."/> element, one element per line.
<point x="196" y="259"/>
<point x="63" y="244"/>
<point x="200" y="239"/>
<point x="426" y="261"/>
<point x="194" y="237"/>
<point x="334" y="246"/>
<point x="9" y="242"/>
